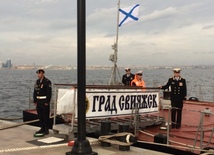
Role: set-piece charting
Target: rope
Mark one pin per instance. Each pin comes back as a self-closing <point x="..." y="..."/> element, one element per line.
<point x="32" y="148"/>
<point x="184" y="146"/>
<point x="11" y="119"/>
<point x="19" y="124"/>
<point x="106" y="138"/>
<point x="181" y="147"/>
<point x="92" y="142"/>
<point x="208" y="152"/>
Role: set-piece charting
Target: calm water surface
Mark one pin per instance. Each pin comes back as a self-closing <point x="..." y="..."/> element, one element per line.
<point x="16" y="86"/>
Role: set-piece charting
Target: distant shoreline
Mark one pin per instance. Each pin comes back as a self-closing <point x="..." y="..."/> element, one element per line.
<point x="50" y="67"/>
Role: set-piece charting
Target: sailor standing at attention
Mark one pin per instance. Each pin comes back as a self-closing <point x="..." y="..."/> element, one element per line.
<point x="128" y="77"/>
<point x="177" y="96"/>
<point x="42" y="97"/>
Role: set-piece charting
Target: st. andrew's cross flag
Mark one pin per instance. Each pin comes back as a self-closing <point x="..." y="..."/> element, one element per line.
<point x="128" y="14"/>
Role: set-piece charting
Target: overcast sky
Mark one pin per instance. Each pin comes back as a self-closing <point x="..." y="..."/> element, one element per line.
<point x="168" y="32"/>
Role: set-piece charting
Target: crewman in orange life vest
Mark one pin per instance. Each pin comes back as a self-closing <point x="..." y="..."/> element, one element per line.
<point x="138" y="81"/>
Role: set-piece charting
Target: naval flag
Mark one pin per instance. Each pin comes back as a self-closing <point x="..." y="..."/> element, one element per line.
<point x="128" y="14"/>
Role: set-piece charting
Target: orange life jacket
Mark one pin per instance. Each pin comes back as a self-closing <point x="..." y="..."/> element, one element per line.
<point x="137" y="82"/>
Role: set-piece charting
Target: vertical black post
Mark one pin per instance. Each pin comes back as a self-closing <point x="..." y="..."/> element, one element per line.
<point x="81" y="145"/>
<point x="105" y="130"/>
<point x="124" y="128"/>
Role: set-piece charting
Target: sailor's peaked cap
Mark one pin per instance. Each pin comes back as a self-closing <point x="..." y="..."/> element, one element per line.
<point x="176" y="70"/>
<point x="139" y="72"/>
<point x="127" y="68"/>
<point x="40" y="71"/>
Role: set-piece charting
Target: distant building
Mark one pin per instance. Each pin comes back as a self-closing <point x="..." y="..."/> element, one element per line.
<point x="8" y="64"/>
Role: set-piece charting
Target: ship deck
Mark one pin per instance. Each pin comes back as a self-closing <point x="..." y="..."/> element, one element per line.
<point x="195" y="132"/>
<point x="20" y="141"/>
<point x="191" y="137"/>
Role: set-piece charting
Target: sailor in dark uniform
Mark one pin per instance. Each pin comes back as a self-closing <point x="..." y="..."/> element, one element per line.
<point x="42" y="96"/>
<point x="128" y="77"/>
<point x="177" y="96"/>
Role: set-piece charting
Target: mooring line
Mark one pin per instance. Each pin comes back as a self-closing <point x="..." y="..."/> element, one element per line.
<point x="18" y="124"/>
<point x="11" y="119"/>
<point x="32" y="148"/>
<point x="92" y="142"/>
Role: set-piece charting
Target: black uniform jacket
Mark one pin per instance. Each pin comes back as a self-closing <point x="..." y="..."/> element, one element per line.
<point x="42" y="89"/>
<point x="178" y="88"/>
<point x="126" y="80"/>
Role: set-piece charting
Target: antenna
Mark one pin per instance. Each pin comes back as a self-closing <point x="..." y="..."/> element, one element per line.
<point x="113" y="57"/>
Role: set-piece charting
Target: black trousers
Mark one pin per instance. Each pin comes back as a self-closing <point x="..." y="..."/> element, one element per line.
<point x="176" y="113"/>
<point x="43" y="114"/>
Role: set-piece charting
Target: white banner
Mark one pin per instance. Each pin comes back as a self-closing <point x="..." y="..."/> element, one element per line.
<point x="108" y="103"/>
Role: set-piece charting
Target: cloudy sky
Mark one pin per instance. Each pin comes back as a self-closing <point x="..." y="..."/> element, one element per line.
<point x="168" y="32"/>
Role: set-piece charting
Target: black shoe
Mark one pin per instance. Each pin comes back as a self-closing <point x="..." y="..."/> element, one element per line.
<point x="173" y="126"/>
<point x="40" y="131"/>
<point x="177" y="127"/>
<point x="46" y="132"/>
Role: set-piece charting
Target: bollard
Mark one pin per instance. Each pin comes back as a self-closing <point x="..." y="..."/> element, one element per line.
<point x="105" y="130"/>
<point x="124" y="128"/>
<point x="160" y="138"/>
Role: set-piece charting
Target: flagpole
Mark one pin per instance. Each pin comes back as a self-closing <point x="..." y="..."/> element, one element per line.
<point x="113" y="58"/>
<point x="117" y="29"/>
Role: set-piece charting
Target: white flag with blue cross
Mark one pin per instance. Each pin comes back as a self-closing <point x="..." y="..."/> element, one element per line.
<point x="128" y="14"/>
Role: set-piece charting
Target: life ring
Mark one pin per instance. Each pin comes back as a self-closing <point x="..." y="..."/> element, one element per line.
<point x="194" y="99"/>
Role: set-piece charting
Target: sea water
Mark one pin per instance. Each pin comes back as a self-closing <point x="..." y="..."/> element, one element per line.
<point x="16" y="86"/>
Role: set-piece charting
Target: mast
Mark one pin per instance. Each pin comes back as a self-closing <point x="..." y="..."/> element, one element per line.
<point x="113" y="57"/>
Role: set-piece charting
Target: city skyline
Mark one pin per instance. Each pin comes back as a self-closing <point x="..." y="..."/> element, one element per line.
<point x="7" y="64"/>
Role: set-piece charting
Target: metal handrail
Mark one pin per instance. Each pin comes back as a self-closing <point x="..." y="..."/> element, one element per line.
<point x="108" y="86"/>
<point x="201" y="130"/>
<point x="198" y="92"/>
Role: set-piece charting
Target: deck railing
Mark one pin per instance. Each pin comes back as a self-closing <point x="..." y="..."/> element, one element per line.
<point x="202" y="92"/>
